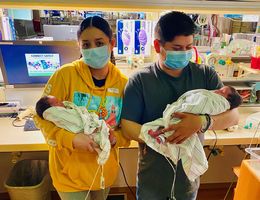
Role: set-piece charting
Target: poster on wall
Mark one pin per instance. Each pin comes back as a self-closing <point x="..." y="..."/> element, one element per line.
<point x="143" y="36"/>
<point x="134" y="37"/>
<point x="42" y="64"/>
<point x="125" y="37"/>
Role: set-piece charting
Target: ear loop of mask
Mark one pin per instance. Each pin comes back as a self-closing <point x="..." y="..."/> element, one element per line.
<point x="163" y="49"/>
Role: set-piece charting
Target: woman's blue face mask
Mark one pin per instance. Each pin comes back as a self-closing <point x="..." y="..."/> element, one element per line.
<point x="96" y="58"/>
<point x="177" y="59"/>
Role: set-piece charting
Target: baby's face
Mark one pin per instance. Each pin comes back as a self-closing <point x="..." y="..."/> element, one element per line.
<point x="224" y="91"/>
<point x="53" y="101"/>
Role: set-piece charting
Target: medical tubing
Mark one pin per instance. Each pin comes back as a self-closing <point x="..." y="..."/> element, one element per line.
<point x="175" y="173"/>
<point x="92" y="183"/>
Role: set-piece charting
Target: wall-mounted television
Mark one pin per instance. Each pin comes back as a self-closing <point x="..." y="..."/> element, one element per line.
<point x="31" y="63"/>
<point x="61" y="32"/>
<point x="24" y="29"/>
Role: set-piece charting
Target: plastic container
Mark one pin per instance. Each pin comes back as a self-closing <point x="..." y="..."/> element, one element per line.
<point x="253" y="121"/>
<point x="255" y="62"/>
<point x="29" y="180"/>
<point x="255" y="58"/>
<point x="254" y="152"/>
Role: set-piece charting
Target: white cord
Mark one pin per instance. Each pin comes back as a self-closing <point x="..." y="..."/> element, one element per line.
<point x="175" y="174"/>
<point x="102" y="179"/>
<point x="92" y="183"/>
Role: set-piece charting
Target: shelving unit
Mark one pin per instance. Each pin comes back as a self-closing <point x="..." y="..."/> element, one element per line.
<point x="249" y="70"/>
<point x="241" y="79"/>
<point x="246" y="80"/>
<point x="248" y="75"/>
<point x="250" y="105"/>
<point x="242" y="87"/>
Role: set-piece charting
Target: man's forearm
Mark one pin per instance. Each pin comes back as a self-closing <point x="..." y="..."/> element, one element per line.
<point x="225" y="120"/>
<point x="131" y="130"/>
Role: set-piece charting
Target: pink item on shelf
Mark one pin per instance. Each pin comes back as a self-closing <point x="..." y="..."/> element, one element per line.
<point x="142" y="37"/>
<point x="126" y="37"/>
<point x="255" y="62"/>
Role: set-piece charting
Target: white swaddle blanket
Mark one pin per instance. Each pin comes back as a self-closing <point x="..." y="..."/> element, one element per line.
<point x="78" y="119"/>
<point x="191" y="151"/>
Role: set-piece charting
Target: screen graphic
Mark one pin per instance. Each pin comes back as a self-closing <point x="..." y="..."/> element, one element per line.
<point x="42" y="64"/>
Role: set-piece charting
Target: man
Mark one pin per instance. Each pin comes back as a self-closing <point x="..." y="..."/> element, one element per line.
<point x="146" y="96"/>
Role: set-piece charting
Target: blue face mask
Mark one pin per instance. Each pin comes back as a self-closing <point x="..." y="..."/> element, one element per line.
<point x="177" y="59"/>
<point x="96" y="58"/>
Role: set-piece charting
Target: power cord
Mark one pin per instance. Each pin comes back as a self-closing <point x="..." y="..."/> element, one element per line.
<point x="132" y="192"/>
<point x="15" y="120"/>
<point x="230" y="186"/>
<point x="214" y="146"/>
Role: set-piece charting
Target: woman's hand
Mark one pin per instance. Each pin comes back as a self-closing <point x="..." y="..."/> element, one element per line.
<point x="112" y="137"/>
<point x="84" y="142"/>
<point x="189" y="124"/>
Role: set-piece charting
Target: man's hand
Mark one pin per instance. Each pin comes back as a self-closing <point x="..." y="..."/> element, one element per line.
<point x="83" y="142"/>
<point x="188" y="125"/>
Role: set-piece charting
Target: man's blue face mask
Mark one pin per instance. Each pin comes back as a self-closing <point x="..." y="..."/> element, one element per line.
<point x="96" y="58"/>
<point x="177" y="59"/>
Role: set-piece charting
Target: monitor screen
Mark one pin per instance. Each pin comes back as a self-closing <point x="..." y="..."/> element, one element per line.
<point x="61" y="32"/>
<point x="26" y="64"/>
<point x="24" y="29"/>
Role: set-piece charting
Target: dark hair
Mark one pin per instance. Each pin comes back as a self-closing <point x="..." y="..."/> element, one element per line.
<point x="234" y="98"/>
<point x="42" y="105"/>
<point x="173" y="24"/>
<point x="99" y="23"/>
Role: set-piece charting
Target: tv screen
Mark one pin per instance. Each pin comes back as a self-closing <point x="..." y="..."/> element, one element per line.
<point x="26" y="64"/>
<point x="24" y="28"/>
<point x="40" y="64"/>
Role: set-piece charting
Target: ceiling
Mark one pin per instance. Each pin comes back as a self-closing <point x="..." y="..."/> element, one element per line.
<point x="231" y="0"/>
<point x="192" y="6"/>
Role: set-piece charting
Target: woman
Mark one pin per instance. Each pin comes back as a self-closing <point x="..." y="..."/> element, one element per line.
<point x="93" y="82"/>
